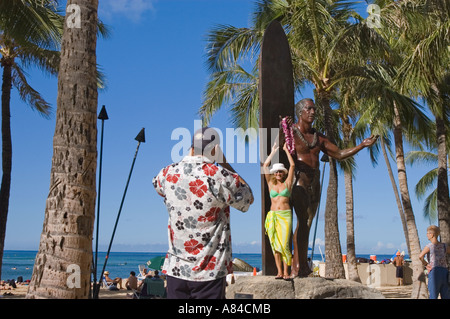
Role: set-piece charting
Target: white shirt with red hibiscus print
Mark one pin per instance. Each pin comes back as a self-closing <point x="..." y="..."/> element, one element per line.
<point x="198" y="195"/>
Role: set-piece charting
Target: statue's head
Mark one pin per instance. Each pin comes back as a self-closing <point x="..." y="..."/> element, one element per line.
<point x="305" y="110"/>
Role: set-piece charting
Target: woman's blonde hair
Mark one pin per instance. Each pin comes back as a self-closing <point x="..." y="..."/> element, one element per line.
<point x="273" y="179"/>
<point x="434" y="229"/>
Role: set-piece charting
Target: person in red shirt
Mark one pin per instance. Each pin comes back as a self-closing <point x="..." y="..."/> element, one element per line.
<point x="198" y="195"/>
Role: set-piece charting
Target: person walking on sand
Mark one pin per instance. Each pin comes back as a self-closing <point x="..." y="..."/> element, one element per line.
<point x="398" y="262"/>
<point x="278" y="223"/>
<point x="198" y="195"/>
<point x="437" y="266"/>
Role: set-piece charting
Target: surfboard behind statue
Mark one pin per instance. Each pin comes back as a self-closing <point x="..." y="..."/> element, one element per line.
<point x="276" y="98"/>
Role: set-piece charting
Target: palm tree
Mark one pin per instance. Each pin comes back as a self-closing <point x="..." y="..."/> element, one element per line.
<point x="418" y="279"/>
<point x="425" y="72"/>
<point x="385" y="106"/>
<point x="416" y="28"/>
<point x="349" y="168"/>
<point x="63" y="263"/>
<point x="348" y="114"/>
<point x="427" y="182"/>
<point x="405" y="118"/>
<point x="395" y="190"/>
<point x="29" y="36"/>
<point x="325" y="48"/>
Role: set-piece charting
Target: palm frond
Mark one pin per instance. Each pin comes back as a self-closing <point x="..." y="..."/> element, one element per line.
<point x="28" y="94"/>
<point x="430" y="206"/>
<point x="28" y="21"/>
<point x="427" y="182"/>
<point x="102" y="82"/>
<point x="376" y="84"/>
<point x="228" y="87"/>
<point x="33" y="55"/>
<point x="421" y="156"/>
<point x="348" y="165"/>
<point x="245" y="111"/>
<point x="226" y="44"/>
<point x="103" y="30"/>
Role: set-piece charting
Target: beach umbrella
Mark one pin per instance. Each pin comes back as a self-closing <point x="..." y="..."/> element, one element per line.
<point x="156" y="263"/>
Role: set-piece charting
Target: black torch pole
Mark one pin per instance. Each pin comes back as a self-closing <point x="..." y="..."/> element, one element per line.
<point x="141" y="139"/>
<point x="103" y="115"/>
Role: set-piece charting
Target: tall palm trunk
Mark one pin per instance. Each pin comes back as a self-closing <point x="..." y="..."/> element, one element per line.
<point x="397" y="197"/>
<point x="443" y="200"/>
<point x="63" y="263"/>
<point x="419" y="290"/>
<point x="6" y="151"/>
<point x="334" y="267"/>
<point x="349" y="208"/>
<point x="351" y="253"/>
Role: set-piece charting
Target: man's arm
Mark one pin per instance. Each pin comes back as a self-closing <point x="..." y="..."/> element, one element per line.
<point x="223" y="162"/>
<point x="227" y="166"/>
<point x="336" y="153"/>
<point x="158" y="182"/>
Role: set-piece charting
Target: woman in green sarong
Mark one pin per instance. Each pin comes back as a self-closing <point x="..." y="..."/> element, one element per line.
<point x="278" y="221"/>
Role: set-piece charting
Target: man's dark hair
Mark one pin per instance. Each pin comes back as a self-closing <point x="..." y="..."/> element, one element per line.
<point x="204" y="140"/>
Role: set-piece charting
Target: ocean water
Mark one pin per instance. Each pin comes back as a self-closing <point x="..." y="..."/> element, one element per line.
<point x="20" y="262"/>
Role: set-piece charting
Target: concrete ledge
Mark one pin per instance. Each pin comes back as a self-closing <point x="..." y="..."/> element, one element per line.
<point x="376" y="275"/>
<point x="267" y="287"/>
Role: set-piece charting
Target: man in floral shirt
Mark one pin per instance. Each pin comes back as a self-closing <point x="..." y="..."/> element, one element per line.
<point x="198" y="195"/>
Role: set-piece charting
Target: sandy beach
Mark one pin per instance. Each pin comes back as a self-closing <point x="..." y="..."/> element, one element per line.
<point x="21" y="291"/>
<point x="390" y="292"/>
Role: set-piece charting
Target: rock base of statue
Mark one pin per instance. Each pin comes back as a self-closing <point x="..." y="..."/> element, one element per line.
<point x="267" y="287"/>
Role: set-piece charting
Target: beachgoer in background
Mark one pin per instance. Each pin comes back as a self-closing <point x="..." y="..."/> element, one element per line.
<point x="144" y="272"/>
<point x="230" y="279"/>
<point x="278" y="223"/>
<point x="116" y="281"/>
<point x="132" y="281"/>
<point x="437" y="266"/>
<point x="3" y="285"/>
<point x="398" y="262"/>
<point x="198" y="195"/>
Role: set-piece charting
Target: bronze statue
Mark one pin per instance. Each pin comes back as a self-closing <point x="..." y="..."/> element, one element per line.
<point x="307" y="144"/>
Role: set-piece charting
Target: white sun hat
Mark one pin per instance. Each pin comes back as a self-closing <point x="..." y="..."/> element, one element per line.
<point x="278" y="167"/>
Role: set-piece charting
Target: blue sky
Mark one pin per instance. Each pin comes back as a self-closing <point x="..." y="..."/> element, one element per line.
<point x="155" y="67"/>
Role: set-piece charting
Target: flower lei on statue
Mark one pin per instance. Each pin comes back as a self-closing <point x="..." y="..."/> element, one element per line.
<point x="289" y="130"/>
<point x="289" y="135"/>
